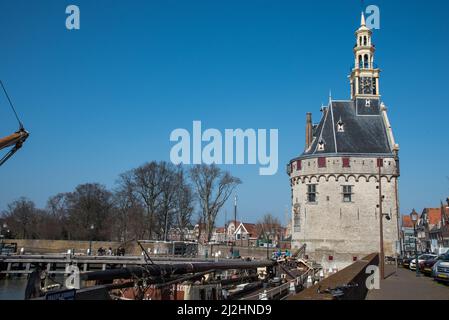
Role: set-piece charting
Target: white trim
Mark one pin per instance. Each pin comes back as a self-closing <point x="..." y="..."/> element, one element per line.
<point x="333" y="127"/>
<point x="322" y="128"/>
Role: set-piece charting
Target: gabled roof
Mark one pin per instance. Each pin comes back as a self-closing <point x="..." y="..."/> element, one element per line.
<point x="407" y="222"/>
<point x="433" y="215"/>
<point x="250" y="228"/>
<point x="364" y="130"/>
<point x="220" y="230"/>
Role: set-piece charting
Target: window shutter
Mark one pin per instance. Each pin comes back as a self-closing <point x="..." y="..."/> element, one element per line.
<point x="380" y="163"/>
<point x="299" y="165"/>
<point x="346" y="163"/>
<point x="321" y="162"/>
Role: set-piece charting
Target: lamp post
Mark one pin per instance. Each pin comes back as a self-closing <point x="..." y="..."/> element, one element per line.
<point x="414" y="216"/>
<point x="267" y="241"/>
<point x="92" y="227"/>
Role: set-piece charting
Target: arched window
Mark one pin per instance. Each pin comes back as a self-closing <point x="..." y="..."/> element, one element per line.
<point x="365" y="61"/>
<point x="360" y="40"/>
<point x="365" y="42"/>
<point x="360" y="61"/>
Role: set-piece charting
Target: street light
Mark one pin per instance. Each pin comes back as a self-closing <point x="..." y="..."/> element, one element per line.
<point x="92" y="227"/>
<point x="414" y="216"/>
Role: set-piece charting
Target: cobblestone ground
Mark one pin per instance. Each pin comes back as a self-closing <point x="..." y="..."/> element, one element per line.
<point x="404" y="285"/>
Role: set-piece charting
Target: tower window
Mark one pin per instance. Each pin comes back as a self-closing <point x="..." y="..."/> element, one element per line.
<point x="340" y="126"/>
<point x="299" y="165"/>
<point x="380" y="163"/>
<point x="321" y="145"/>
<point x="365" y="42"/>
<point x="346" y="163"/>
<point x="347" y="193"/>
<point x="365" y="61"/>
<point x="311" y="193"/>
<point x="321" y="162"/>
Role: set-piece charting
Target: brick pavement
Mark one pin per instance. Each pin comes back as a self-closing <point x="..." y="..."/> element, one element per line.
<point x="406" y="286"/>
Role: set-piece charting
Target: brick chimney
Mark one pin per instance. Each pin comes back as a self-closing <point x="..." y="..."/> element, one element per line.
<point x="308" y="130"/>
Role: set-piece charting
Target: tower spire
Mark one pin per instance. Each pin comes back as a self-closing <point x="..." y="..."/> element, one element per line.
<point x="363" y="21"/>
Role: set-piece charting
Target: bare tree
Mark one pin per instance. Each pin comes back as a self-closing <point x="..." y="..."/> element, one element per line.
<point x="213" y="187"/>
<point x="147" y="182"/>
<point x="57" y="209"/>
<point x="20" y="217"/>
<point x="90" y="205"/>
<point x="129" y="209"/>
<point x="184" y="205"/>
<point x="269" y="227"/>
<point x="169" y="185"/>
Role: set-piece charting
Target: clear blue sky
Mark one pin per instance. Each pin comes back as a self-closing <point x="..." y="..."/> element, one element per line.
<point x="104" y="99"/>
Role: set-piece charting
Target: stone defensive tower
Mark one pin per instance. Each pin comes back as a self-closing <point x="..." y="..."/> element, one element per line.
<point x="347" y="177"/>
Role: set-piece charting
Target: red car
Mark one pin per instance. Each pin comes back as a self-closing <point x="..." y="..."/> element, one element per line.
<point x="426" y="267"/>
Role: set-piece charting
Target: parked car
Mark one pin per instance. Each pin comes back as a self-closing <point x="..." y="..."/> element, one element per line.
<point x="426" y="267"/>
<point x="421" y="258"/>
<point x="441" y="269"/>
<point x="406" y="262"/>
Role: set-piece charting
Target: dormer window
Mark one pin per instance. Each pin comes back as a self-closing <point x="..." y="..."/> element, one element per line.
<point x="321" y="145"/>
<point x="340" y="126"/>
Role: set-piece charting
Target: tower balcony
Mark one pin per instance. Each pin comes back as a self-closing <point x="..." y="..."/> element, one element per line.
<point x="364" y="66"/>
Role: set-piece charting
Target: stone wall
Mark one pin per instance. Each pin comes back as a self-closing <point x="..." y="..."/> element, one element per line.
<point x="344" y="230"/>
<point x="356" y="273"/>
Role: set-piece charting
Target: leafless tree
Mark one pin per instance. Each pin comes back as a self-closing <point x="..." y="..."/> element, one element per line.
<point x="184" y="205"/>
<point x="20" y="217"/>
<point x="148" y="185"/>
<point x="57" y="209"/>
<point x="90" y="205"/>
<point x="128" y="213"/>
<point x="169" y="186"/>
<point x="213" y="187"/>
<point x="269" y="227"/>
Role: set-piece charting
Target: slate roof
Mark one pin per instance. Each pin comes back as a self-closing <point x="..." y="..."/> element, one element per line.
<point x="364" y="131"/>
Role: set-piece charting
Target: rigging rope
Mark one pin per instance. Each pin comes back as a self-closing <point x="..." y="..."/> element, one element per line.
<point x="11" y="104"/>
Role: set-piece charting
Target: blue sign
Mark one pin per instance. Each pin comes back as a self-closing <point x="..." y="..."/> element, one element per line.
<point x="61" y="295"/>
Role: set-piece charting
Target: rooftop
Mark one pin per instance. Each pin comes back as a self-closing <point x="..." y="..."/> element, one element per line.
<point x="351" y="128"/>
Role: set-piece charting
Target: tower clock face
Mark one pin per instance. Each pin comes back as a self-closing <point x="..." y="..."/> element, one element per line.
<point x="366" y="85"/>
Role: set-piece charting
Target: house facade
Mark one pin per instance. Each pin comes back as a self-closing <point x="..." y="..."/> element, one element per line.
<point x="407" y="236"/>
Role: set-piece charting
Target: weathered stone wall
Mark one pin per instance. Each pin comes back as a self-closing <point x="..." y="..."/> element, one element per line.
<point x="332" y="227"/>
<point x="356" y="273"/>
